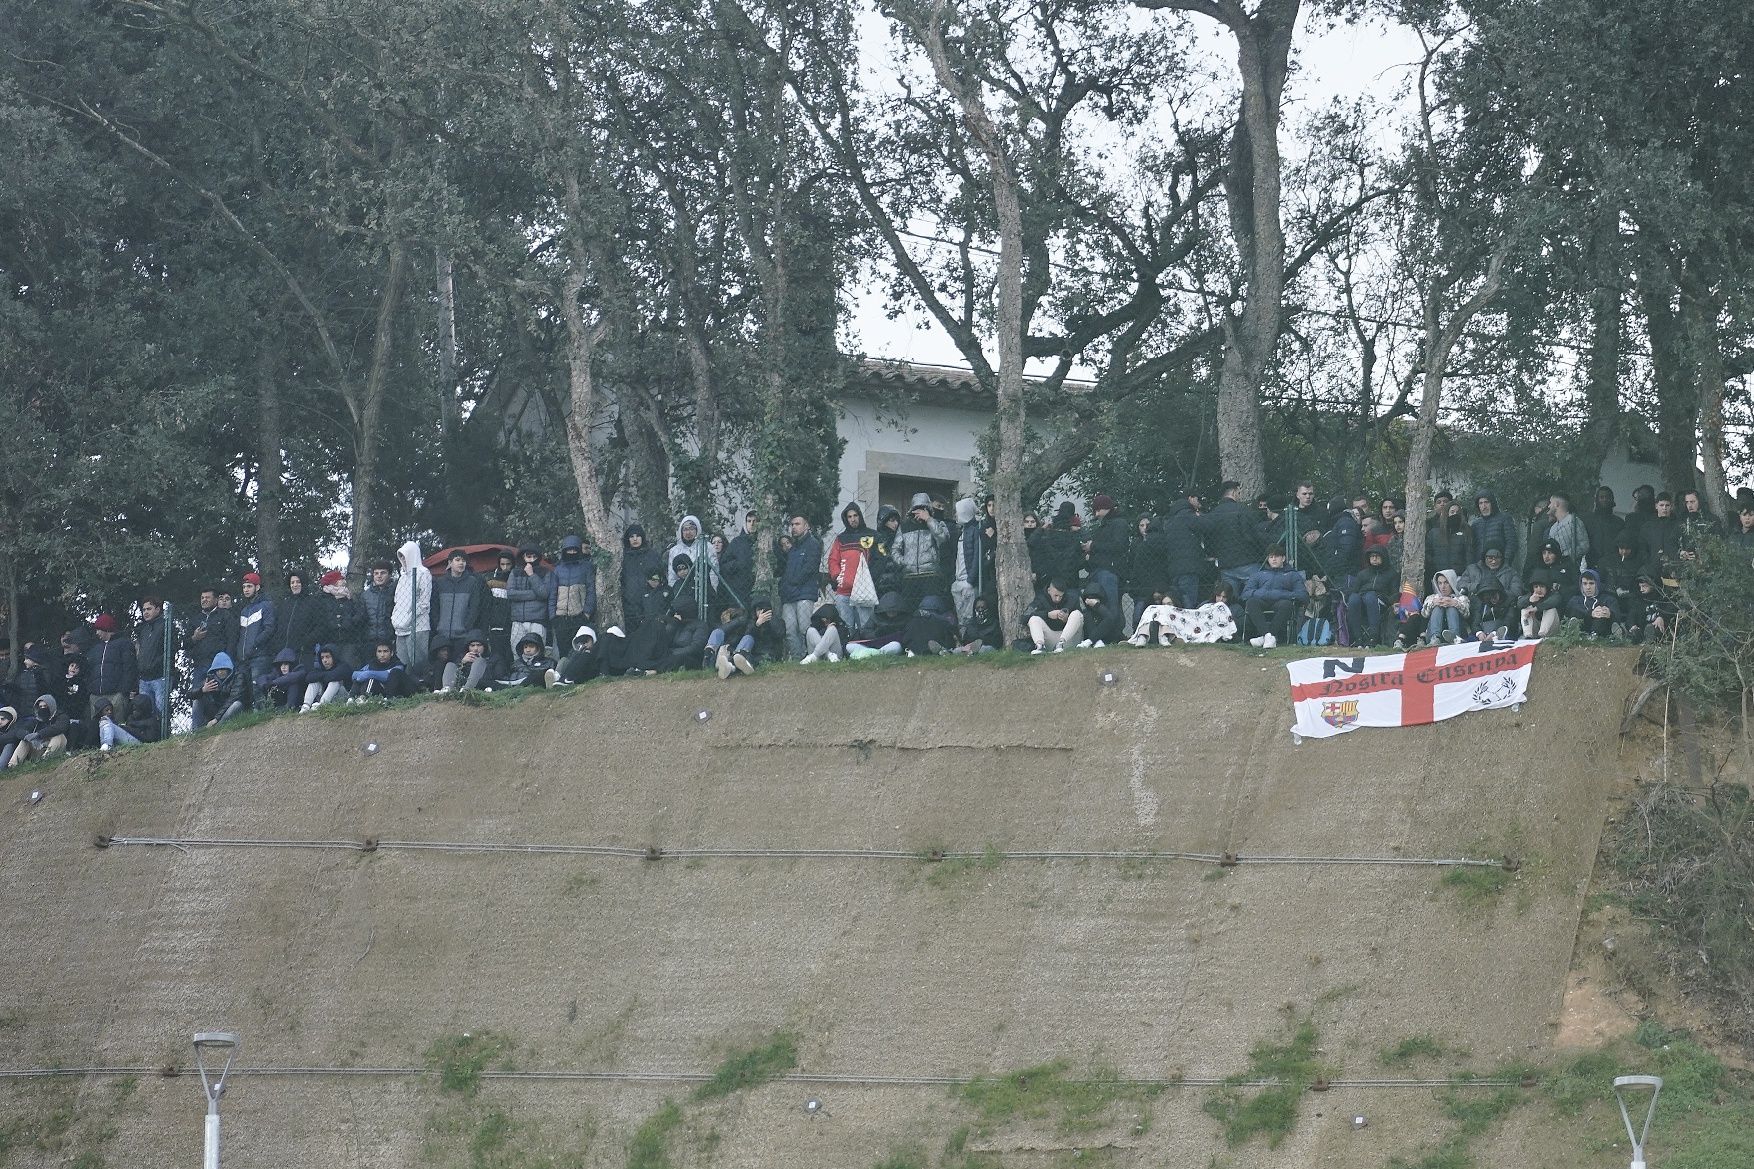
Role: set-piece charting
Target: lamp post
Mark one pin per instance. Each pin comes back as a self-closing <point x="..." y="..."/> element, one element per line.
<point x="214" y="1042"/>
<point x="1625" y="1085"/>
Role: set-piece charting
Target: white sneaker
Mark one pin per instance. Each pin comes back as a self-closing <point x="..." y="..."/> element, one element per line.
<point x="103" y="747"/>
<point x="1061" y="648"/>
<point x="1163" y="640"/>
<point x="724" y="666"/>
<point x="1098" y="645"/>
<point x="1038" y="649"/>
<point x="615" y="630"/>
<point x="1085" y="644"/>
<point x="910" y="653"/>
<point x="807" y="659"/>
<point x="1269" y="642"/>
<point x="305" y="709"/>
<point x="834" y="657"/>
<point x="1137" y="639"/>
<point x="1259" y="642"/>
<point x="442" y="690"/>
<point x="742" y="664"/>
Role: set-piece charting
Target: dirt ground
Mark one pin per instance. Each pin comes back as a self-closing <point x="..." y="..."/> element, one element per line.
<point x="881" y="968"/>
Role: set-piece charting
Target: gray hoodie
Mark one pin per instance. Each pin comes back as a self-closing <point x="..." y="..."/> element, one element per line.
<point x="413" y="607"/>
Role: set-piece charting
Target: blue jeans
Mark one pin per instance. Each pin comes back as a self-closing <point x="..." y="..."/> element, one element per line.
<point x="1185" y="590"/>
<point x="717" y="638"/>
<point x="155" y="689"/>
<point x="112" y="734"/>
<point x="1110" y="584"/>
<point x="1443" y="621"/>
<point x="1237" y="577"/>
<point x="854" y="617"/>
<point x="1364" y="617"/>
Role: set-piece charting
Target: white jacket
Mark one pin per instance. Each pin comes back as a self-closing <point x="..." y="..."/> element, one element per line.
<point x="413" y="608"/>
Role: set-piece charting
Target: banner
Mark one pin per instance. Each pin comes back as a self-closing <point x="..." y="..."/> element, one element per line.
<point x="1332" y="695"/>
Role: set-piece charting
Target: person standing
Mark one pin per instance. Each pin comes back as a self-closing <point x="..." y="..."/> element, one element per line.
<point x="530" y="589"/>
<point x="798" y="586"/>
<point x="112" y="666"/>
<point x="256" y="627"/>
<point x="459" y="598"/>
<point x="411" y="612"/>
<point x="149" y="647"/>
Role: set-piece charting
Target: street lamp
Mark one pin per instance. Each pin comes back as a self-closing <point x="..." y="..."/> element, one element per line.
<point x="214" y="1042"/>
<point x="1624" y="1085"/>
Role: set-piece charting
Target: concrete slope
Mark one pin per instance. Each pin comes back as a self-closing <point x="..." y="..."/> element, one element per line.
<point x="882" y="968"/>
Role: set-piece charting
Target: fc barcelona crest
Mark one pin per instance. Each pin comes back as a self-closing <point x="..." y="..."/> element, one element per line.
<point x="1340" y="714"/>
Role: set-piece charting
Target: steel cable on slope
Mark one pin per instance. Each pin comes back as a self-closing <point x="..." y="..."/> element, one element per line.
<point x="655" y="852"/>
<point x="849" y="1079"/>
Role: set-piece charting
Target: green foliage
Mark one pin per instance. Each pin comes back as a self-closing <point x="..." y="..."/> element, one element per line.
<point x="1473" y="1112"/>
<point x="1412" y="1048"/>
<point x="460" y="1059"/>
<point x="1477" y="886"/>
<point x="649" y="1148"/>
<point x="943" y="873"/>
<point x="1686" y="861"/>
<point x="1271" y="1111"/>
<point x="1047" y="1093"/>
<point x="1710" y="657"/>
<point x="767" y="1060"/>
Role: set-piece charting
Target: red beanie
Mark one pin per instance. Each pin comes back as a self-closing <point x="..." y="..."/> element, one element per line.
<point x="254" y="578"/>
<point x="1103" y="503"/>
<point x="104" y="623"/>
<point x="330" y="578"/>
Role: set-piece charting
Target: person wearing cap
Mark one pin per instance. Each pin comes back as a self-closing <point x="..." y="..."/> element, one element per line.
<point x="111" y="667"/>
<point x="1592" y="610"/>
<point x="344" y="621"/>
<point x="411" y="611"/>
<point x="1621" y="570"/>
<point x="459" y="599"/>
<point x="530" y="588"/>
<point x="1559" y="570"/>
<point x="257" y="626"/>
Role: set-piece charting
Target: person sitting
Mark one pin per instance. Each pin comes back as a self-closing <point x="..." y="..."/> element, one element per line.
<point x="825" y="638"/>
<point x="1445" y="609"/>
<point x="529" y="666"/>
<point x="472" y="670"/>
<point x="1491" y="570"/>
<point x="887" y="626"/>
<point x="1275" y="587"/>
<point x="1102" y="619"/>
<point x="1054" y="622"/>
<point x="140" y="726"/>
<point x="1595" y="611"/>
<point x="929" y="630"/>
<point x="584" y="663"/>
<point x="222" y="695"/>
<point x="982" y="632"/>
<point x="1651" y="611"/>
<point x="1559" y="569"/>
<point x="283" y="686"/>
<point x="1493" y="611"/>
<point x="326" y="679"/>
<point x="1539" y="611"/>
<point x="45" y="732"/>
<point x="432" y="679"/>
<point x="384" y="677"/>
<point x="1369" y="592"/>
<point x="11" y="733"/>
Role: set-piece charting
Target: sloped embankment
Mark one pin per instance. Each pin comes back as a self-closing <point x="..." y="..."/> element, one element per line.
<point x="880" y="968"/>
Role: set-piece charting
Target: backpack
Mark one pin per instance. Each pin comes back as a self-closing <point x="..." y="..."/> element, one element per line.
<point x="1315" y="630"/>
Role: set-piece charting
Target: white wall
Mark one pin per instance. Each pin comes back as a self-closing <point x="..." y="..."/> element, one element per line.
<point x="928" y="441"/>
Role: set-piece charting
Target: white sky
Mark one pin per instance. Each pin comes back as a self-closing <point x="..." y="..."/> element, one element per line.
<point x="1346" y="61"/>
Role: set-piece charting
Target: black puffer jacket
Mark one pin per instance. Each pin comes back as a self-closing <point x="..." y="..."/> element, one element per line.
<point x="1231" y="533"/>
<point x="1148" y="564"/>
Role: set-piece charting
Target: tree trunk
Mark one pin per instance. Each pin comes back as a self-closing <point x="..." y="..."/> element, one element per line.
<point x="1700" y="314"/>
<point x="583" y="337"/>
<point x="1602" y="425"/>
<point x="1677" y="391"/>
<point x="270" y="490"/>
<point x="1253" y="191"/>
<point x="1439" y="341"/>
<point x="366" y="417"/>
<point x="1014" y="580"/>
<point x="447" y="355"/>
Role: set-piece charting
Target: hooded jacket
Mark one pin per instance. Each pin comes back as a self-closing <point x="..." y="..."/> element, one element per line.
<point x="1448" y="574"/>
<point x="47" y="720"/>
<point x="392" y="678"/>
<point x="703" y="581"/>
<point x="1379" y="578"/>
<point x="585" y="661"/>
<point x="304" y="620"/>
<point x="889" y="621"/>
<point x="322" y="675"/>
<point x="1579" y="605"/>
<point x="1148" y="563"/>
<point x="284" y="688"/>
<point x="1604" y="529"/>
<point x="636" y="565"/>
<point x="532" y="594"/>
<point x="1108" y="536"/>
<point x="1479" y="579"/>
<point x="378" y="603"/>
<point x="983" y="625"/>
<point x="930" y="623"/>
<point x="1561" y="575"/>
<point x="1044" y="605"/>
<point x="916" y="548"/>
<point x="1101" y="623"/>
<point x="574" y="593"/>
<point x="12" y="732"/>
<point x="1495" y="529"/>
<point x="737" y="569"/>
<point x="412" y="610"/>
<point x="973" y="564"/>
<point x="852" y="547"/>
<point x="1275" y="584"/>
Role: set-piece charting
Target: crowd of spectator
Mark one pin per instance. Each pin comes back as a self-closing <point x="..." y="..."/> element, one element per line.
<point x="1268" y="572"/>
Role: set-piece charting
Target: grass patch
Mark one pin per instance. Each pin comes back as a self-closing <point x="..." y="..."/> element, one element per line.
<point x="460" y="1059"/>
<point x="649" y="1147"/>
<point x="766" y="1061"/>
<point x="1047" y="1093"/>
<point x="1291" y="1067"/>
<point x="1416" y="1047"/>
<point x="946" y="872"/>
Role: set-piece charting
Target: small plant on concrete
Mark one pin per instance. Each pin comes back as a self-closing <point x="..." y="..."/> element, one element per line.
<point x="1284" y="1071"/>
<point x="460" y="1059"/>
<point x="768" y="1060"/>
